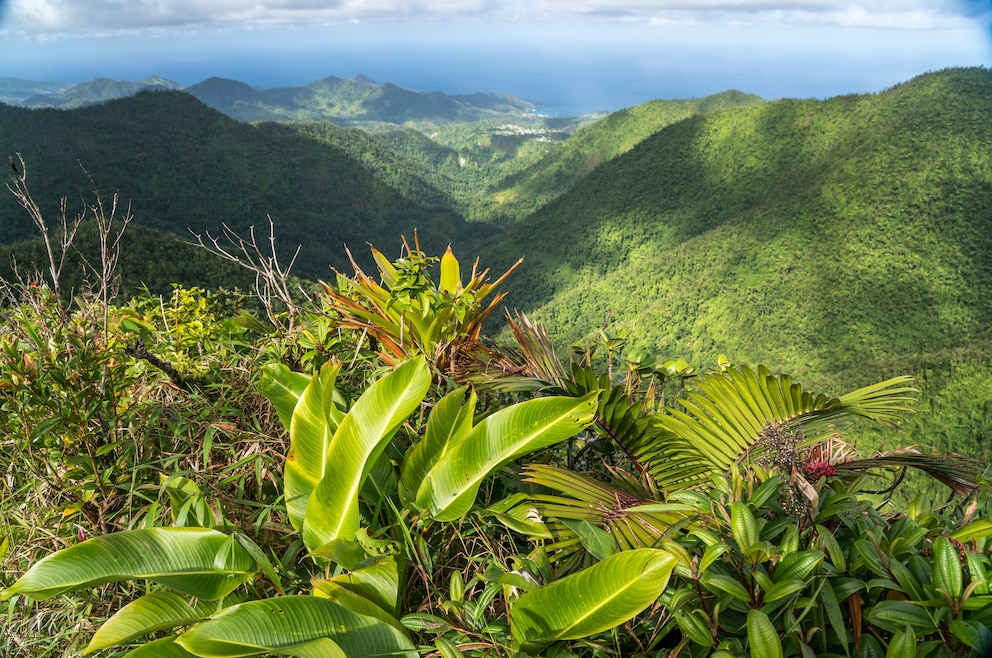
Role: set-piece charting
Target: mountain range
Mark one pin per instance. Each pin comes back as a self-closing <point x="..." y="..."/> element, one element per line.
<point x="842" y="240"/>
<point x="340" y="100"/>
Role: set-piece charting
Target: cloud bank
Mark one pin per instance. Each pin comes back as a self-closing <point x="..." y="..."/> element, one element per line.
<point x="129" y="15"/>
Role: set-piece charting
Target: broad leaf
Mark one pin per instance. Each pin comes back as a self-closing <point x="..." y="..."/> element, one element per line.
<point x="590" y="601"/>
<point x="314" y="419"/>
<point x="361" y="436"/>
<point x="450" y="420"/>
<point x="164" y="648"/>
<point x="294" y="625"/>
<point x="153" y="612"/>
<point x="762" y="636"/>
<point x="449" y="489"/>
<point x="181" y="558"/>
<point x="283" y="388"/>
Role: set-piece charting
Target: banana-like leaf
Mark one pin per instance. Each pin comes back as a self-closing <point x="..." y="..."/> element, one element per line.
<point x="153" y="612"/>
<point x="314" y="420"/>
<point x="379" y="582"/>
<point x="361" y="436"/>
<point x="283" y="388"/>
<point x="164" y="648"/>
<point x="448" y="491"/>
<point x="590" y="601"/>
<point x="450" y="420"/>
<point x="333" y="591"/>
<point x="295" y="626"/>
<point x="184" y="559"/>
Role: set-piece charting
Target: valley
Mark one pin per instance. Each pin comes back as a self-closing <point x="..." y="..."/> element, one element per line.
<point x="842" y="241"/>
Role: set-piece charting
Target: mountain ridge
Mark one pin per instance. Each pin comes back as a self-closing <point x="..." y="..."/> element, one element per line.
<point x="340" y="100"/>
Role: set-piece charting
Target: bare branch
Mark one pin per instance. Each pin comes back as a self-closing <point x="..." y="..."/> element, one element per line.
<point x="272" y="285"/>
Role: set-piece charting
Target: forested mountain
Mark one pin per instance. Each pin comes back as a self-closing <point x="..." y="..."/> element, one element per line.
<point x="183" y="165"/>
<point x="354" y="100"/>
<point x="97" y="91"/>
<point x="560" y="169"/>
<point x="346" y="101"/>
<point x="831" y="239"/>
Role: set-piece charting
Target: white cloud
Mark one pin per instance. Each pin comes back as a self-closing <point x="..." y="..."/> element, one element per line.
<point x="86" y="15"/>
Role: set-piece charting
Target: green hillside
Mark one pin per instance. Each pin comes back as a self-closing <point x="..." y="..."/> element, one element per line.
<point x="836" y="240"/>
<point x="98" y="90"/>
<point x="183" y="165"/>
<point x="560" y="169"/>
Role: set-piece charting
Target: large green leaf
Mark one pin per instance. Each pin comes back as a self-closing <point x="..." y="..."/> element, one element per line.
<point x="449" y="489"/>
<point x="164" y="648"/>
<point x="283" y="388"/>
<point x="184" y="559"/>
<point x="294" y="625"/>
<point x="450" y="420"/>
<point x="314" y="420"/>
<point x="153" y="612"/>
<point x="332" y="511"/>
<point x="590" y="601"/>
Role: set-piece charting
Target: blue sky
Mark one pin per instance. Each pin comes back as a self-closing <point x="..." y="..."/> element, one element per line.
<point x="588" y="54"/>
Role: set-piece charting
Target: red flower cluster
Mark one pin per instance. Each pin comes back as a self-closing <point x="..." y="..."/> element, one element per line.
<point x="962" y="549"/>
<point x="817" y="470"/>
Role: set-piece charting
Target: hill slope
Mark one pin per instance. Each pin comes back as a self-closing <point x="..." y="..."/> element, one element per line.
<point x="563" y="167"/>
<point x="185" y="165"/>
<point x="813" y="236"/>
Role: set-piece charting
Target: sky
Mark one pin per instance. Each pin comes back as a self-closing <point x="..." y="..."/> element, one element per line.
<point x="571" y="56"/>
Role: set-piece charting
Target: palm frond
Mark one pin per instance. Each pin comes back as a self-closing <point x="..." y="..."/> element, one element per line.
<point x="724" y="416"/>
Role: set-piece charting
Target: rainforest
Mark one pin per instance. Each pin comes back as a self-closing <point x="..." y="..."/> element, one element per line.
<point x="351" y="370"/>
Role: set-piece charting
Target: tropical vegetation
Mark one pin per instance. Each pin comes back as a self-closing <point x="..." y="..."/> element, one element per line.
<point x="222" y="459"/>
<point x="359" y="473"/>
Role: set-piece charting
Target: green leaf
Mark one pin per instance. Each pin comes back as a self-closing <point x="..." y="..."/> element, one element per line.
<point x="720" y="583"/>
<point x="449" y="422"/>
<point x="180" y="558"/>
<point x="893" y="616"/>
<point x="333" y="591"/>
<point x="902" y="645"/>
<point x="743" y="525"/>
<point x="694" y="627"/>
<point x="976" y="636"/>
<point x="447" y="648"/>
<point x="157" y="611"/>
<point x="797" y="565"/>
<point x="332" y="510"/>
<point x="312" y="425"/>
<point x="762" y="636"/>
<point x="164" y="648"/>
<point x="449" y="489"/>
<point x="947" y="568"/>
<point x="711" y="554"/>
<point x="294" y="625"/>
<point x="783" y="589"/>
<point x="379" y="582"/>
<point x="597" y="541"/>
<point x="283" y="388"/>
<point x="593" y="600"/>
